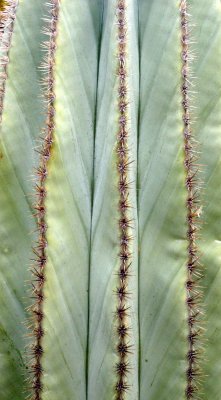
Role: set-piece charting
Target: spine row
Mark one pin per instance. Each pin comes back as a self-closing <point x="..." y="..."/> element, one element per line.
<point x="194" y="268"/>
<point x="125" y="222"/>
<point x="40" y="260"/>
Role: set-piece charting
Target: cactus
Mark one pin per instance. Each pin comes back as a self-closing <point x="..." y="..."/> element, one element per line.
<point x="109" y="199"/>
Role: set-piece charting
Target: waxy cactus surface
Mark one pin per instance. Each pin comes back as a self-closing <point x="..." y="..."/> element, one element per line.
<point x="110" y="199"/>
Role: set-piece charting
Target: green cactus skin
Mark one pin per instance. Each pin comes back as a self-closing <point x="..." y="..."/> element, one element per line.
<point x="21" y="123"/>
<point x="206" y="21"/>
<point x="68" y="201"/>
<point x="7" y="17"/>
<point x="116" y="300"/>
<point x="161" y="205"/>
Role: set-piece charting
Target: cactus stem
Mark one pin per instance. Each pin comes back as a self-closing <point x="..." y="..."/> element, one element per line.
<point x="194" y="268"/>
<point x="7" y="17"/>
<point x="125" y="223"/>
<point x="40" y="259"/>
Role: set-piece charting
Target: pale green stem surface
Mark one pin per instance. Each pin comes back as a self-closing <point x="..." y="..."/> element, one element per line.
<point x="206" y="18"/>
<point x="161" y="205"/>
<point x="80" y="342"/>
<point x="68" y="202"/>
<point x="22" y="119"/>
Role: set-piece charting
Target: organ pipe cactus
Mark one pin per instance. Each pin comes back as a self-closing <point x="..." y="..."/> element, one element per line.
<point x="110" y="194"/>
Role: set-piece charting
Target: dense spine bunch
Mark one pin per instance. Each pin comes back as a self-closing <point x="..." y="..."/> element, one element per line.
<point x="38" y="270"/>
<point x="193" y="214"/>
<point x="123" y="162"/>
<point x="7" y="18"/>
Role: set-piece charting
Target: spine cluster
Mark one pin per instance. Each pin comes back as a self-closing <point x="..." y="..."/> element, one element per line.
<point x="125" y="222"/>
<point x="193" y="293"/>
<point x="7" y="18"/>
<point x="40" y="260"/>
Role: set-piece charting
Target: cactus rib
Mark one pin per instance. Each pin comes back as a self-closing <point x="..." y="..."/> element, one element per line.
<point x="194" y="273"/>
<point x="38" y="270"/>
<point x="123" y="346"/>
<point x="7" y="18"/>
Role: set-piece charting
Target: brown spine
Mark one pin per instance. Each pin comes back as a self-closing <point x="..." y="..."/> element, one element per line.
<point x="125" y="222"/>
<point x="193" y="293"/>
<point x="40" y="261"/>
